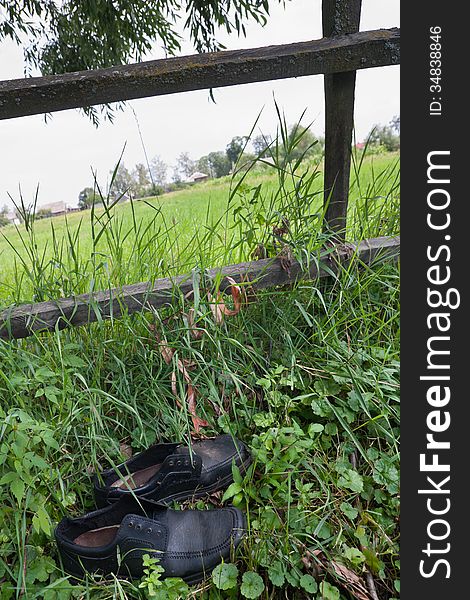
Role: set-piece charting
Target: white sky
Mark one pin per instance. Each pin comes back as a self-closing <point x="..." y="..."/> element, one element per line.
<point x="60" y="155"/>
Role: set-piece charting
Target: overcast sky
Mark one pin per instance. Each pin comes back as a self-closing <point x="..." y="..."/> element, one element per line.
<point x="60" y="155"/>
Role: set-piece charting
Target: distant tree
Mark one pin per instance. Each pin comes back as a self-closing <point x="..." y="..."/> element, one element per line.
<point x="319" y="147"/>
<point x="87" y="197"/>
<point x="235" y="148"/>
<point x="4" y="216"/>
<point x="301" y="143"/>
<point x="158" y="169"/>
<point x="261" y="143"/>
<point x="203" y="165"/>
<point x="246" y="161"/>
<point x="123" y="182"/>
<point x="185" y="166"/>
<point x="395" y="124"/>
<point x="175" y="176"/>
<point x="142" y="185"/>
<point x="383" y="136"/>
<point x="218" y="164"/>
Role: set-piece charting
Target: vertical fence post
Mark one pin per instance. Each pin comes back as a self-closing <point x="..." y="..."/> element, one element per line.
<point x="339" y="17"/>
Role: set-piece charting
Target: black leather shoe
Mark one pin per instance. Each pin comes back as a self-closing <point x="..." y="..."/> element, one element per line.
<point x="188" y="543"/>
<point x="174" y="472"/>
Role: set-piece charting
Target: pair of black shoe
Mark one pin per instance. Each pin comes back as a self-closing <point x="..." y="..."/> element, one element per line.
<point x="134" y="518"/>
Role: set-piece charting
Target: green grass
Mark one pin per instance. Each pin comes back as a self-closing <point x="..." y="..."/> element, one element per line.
<point x="159" y="237"/>
<point x="308" y="377"/>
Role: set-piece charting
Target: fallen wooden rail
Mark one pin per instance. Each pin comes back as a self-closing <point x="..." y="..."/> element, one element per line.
<point x="36" y="95"/>
<point x="22" y="321"/>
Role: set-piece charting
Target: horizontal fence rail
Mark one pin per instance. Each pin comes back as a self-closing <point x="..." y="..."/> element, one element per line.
<point x="37" y="95"/>
<point x="22" y="321"/>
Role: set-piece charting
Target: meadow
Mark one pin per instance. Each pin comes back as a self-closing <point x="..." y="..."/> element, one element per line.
<point x="307" y="376"/>
<point x="213" y="223"/>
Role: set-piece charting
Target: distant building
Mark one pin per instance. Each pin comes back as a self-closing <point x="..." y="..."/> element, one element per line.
<point x="123" y="198"/>
<point x="197" y="177"/>
<point x="13" y="218"/>
<point x="360" y="146"/>
<point x="56" y="209"/>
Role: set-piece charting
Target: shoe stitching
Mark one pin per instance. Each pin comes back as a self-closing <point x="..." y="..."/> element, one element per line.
<point x="200" y="553"/>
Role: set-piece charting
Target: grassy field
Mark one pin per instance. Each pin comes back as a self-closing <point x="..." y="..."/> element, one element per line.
<point x="308" y="377"/>
<point x="211" y="223"/>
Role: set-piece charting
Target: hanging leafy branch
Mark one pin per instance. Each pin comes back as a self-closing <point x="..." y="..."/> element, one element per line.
<point x="65" y="36"/>
<point x="58" y="37"/>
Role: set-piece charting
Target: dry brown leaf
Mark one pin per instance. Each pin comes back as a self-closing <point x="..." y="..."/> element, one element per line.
<point x="224" y="308"/>
<point x="197" y="421"/>
<point x="218" y="306"/>
<point x="286" y="258"/>
<point x="344" y="576"/>
<point x="237" y="296"/>
<point x="214" y="305"/>
<point x="173" y="388"/>
<point x="166" y="351"/>
<point x="182" y="368"/>
<point x="282" y="228"/>
<point x="191" y="394"/>
<point x="196" y="332"/>
<point x="259" y="252"/>
<point x="351" y="581"/>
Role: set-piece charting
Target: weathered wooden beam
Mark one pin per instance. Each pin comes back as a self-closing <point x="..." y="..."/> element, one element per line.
<point x="340" y="17"/>
<point x="36" y="95"/>
<point x="22" y="321"/>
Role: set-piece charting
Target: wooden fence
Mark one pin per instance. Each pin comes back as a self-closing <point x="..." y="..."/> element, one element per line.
<point x="338" y="55"/>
